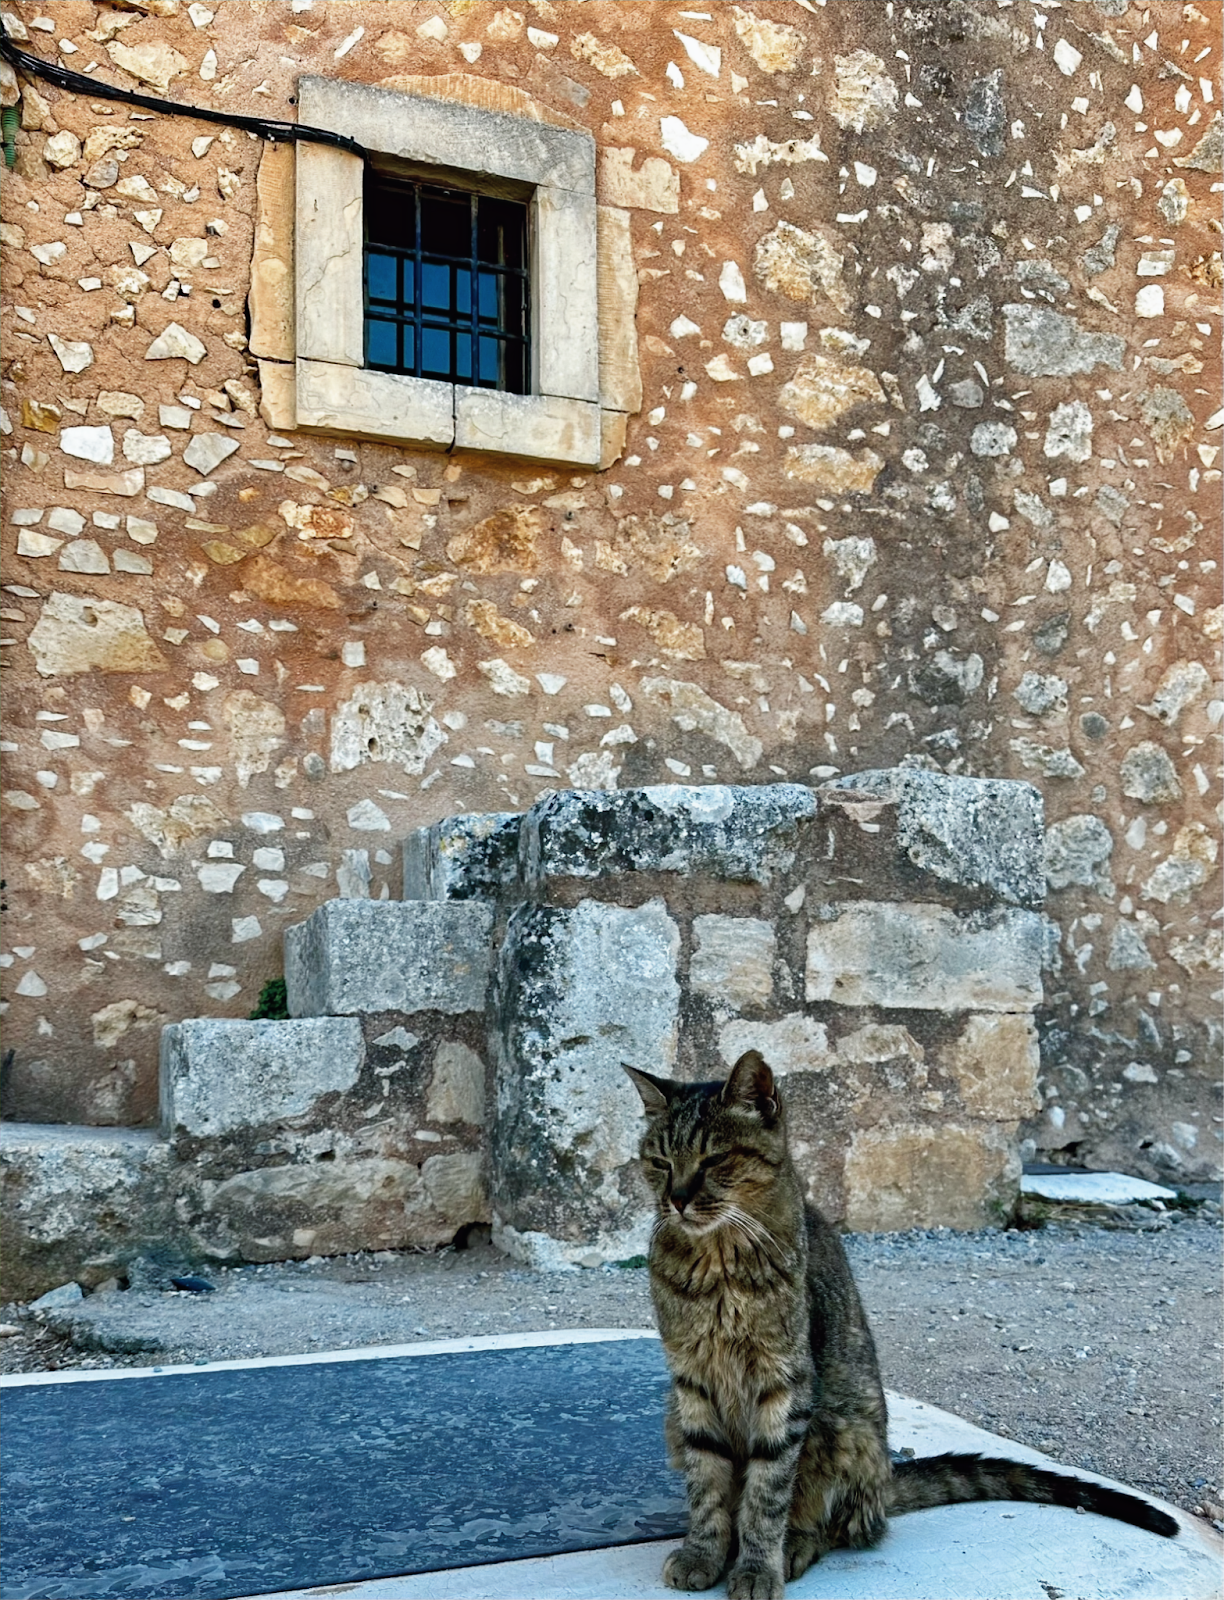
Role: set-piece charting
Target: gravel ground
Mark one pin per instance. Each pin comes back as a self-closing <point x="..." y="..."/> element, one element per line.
<point x="1097" y="1344"/>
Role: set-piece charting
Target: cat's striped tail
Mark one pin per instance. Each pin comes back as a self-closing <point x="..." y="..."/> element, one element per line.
<point x="950" y="1479"/>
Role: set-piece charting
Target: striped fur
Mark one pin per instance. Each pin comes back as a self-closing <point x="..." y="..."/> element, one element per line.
<point x="776" y="1414"/>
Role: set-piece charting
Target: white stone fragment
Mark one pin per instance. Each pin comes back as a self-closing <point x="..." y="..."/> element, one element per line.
<point x="992" y="439"/>
<point x="1066" y="58"/>
<point x="144" y="449"/>
<point x="207" y="451"/>
<point x="63" y="520"/>
<point x="174" y="417"/>
<point x="33" y="544"/>
<point x="89" y="444"/>
<point x="62" y="150"/>
<point x="439" y="663"/>
<point x="731" y="282"/>
<point x="682" y="327"/>
<point x="1069" y="432"/>
<point x="74" y="355"/>
<point x="366" y="817"/>
<point x="678" y="141"/>
<point x="1149" y="302"/>
<point x="174" y="343"/>
<point x="1058" y="578"/>
<point x="85" y="555"/>
<point x="49" y="254"/>
<point x="706" y="57"/>
<point x="502" y="677"/>
<point x="218" y="877"/>
<point x="141" y="530"/>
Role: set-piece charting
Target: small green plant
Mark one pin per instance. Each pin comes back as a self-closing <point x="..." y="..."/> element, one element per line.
<point x="273" y="1004"/>
<point x="632" y="1262"/>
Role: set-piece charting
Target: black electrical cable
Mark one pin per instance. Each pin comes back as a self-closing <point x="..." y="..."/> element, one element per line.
<point x="265" y="127"/>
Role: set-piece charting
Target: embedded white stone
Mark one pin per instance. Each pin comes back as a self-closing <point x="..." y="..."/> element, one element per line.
<point x="86" y="555"/>
<point x="145" y="449"/>
<point x="89" y="444"/>
<point x="175" y="343"/>
<point x="207" y="451"/>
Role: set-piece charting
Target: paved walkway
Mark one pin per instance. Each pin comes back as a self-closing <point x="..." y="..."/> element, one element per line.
<point x="235" y="1479"/>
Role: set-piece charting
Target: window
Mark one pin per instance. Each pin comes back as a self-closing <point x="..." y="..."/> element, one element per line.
<point x="460" y="289"/>
<point x="446" y="284"/>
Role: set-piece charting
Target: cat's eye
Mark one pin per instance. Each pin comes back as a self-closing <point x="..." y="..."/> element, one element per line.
<point x="663" y="1166"/>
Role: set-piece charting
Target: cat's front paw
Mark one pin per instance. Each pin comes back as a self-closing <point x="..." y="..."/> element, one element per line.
<point x="801" y="1550"/>
<point x="755" y="1583"/>
<point x="688" y="1568"/>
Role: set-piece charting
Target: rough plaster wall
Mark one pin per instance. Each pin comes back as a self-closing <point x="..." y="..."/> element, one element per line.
<point x="865" y="515"/>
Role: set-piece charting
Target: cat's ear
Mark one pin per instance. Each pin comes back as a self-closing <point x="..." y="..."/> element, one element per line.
<point x="751" y="1086"/>
<point x="655" y="1092"/>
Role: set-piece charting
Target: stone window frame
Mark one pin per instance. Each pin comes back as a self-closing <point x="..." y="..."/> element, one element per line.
<point x="307" y="302"/>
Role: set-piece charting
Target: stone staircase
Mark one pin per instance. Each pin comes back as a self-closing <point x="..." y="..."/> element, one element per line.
<point x="453" y="1058"/>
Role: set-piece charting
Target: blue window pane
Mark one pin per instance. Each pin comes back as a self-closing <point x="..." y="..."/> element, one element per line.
<point x="381" y="343"/>
<point x="435" y="351"/>
<point x="489" y="297"/>
<point x="463" y="357"/>
<point x="408" y="359"/>
<point x="435" y="286"/>
<point x="380" y="276"/>
<point x="463" y="291"/>
<point x="490" y="360"/>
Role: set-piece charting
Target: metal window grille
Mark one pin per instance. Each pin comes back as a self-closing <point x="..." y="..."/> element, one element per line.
<point x="446" y="284"/>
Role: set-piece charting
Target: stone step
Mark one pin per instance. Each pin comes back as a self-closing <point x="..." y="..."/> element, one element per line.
<point x="79" y="1203"/>
<point x="354" y="957"/>
<point x="471" y="857"/>
<point x="222" y="1077"/>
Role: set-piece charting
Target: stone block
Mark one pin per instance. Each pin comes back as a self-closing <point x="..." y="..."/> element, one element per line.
<point x="329" y="292"/>
<point x="435" y="132"/>
<point x="79" y="1204"/>
<point x="457" y="1088"/>
<point x="924" y="957"/>
<point x="388" y="405"/>
<point x="738" y="834"/>
<point x="976" y="834"/>
<point x="909" y="1175"/>
<point x="543" y="427"/>
<point x="793" y="1043"/>
<point x="472" y="857"/>
<point x="733" y="961"/>
<point x="334" y="1207"/>
<point x="220" y="1077"/>
<point x="994" y="1061"/>
<point x="354" y="956"/>
<point x="566" y="340"/>
<point x="620" y="376"/>
<point x="579" y="991"/>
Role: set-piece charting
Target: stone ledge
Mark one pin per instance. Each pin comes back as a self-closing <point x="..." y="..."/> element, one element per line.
<point x="220" y="1077"/>
<point x="743" y="834"/>
<point x="355" y="956"/>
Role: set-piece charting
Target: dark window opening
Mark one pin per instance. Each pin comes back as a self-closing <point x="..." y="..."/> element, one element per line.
<point x="446" y="284"/>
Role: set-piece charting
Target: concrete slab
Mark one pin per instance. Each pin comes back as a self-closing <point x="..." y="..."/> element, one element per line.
<point x="989" y="1551"/>
<point x="1093" y="1188"/>
<point x="995" y="1550"/>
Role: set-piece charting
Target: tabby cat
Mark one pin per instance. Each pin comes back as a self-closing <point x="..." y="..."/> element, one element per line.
<point x="776" y="1414"/>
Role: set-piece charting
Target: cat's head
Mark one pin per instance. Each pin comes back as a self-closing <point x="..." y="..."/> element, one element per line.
<point x="711" y="1151"/>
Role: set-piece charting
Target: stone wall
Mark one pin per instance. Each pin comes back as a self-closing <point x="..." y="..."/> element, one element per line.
<point x="455" y="1059"/>
<point x="916" y="464"/>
